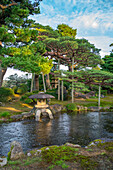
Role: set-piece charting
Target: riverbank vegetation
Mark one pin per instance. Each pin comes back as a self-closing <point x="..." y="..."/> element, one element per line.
<point x="67" y="156"/>
<point x="16" y="106"/>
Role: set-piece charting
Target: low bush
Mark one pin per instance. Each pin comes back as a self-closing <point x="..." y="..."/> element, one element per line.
<point x="25" y="97"/>
<point x="71" y="107"/>
<point x="22" y="89"/>
<point x="28" y="101"/>
<point x="14" y="88"/>
<point x="53" y="92"/>
<point x="5" y="114"/>
<point x="6" y="94"/>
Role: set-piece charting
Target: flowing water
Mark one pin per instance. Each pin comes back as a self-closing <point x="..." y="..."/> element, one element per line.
<point x="78" y="129"/>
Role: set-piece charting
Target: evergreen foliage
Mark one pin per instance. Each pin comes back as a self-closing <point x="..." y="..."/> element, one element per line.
<point x="19" y="84"/>
<point x="17" y="38"/>
<point x="5" y="94"/>
<point x="108" y="63"/>
<point x="71" y="107"/>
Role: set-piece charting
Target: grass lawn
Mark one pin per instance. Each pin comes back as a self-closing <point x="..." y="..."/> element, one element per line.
<point x="15" y="107"/>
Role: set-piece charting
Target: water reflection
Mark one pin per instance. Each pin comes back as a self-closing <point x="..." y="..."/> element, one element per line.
<point x="80" y="129"/>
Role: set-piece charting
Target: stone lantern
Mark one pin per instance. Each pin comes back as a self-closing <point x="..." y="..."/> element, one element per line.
<point x="42" y="106"/>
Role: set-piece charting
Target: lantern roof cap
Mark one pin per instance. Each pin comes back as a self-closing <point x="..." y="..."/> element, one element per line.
<point x="41" y="95"/>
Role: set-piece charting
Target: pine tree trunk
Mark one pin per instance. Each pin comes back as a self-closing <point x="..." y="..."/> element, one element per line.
<point x="48" y="85"/>
<point x="37" y="82"/>
<point x="70" y="68"/>
<point x="32" y="81"/>
<point x="44" y="82"/>
<point x="2" y="73"/>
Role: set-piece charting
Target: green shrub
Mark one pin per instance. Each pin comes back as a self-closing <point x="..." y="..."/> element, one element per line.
<point x="22" y="89"/>
<point x="15" y="89"/>
<point x="5" y="114"/>
<point x="104" y="92"/>
<point x="35" y="91"/>
<point x="53" y="92"/>
<point x="71" y="107"/>
<point x="25" y="98"/>
<point x="5" y="94"/>
<point x="28" y="101"/>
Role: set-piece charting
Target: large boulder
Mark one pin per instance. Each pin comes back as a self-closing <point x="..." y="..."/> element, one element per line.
<point x="16" y="151"/>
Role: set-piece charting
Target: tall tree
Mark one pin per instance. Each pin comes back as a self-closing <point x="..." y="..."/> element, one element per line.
<point x="84" y="78"/>
<point x="14" y="27"/>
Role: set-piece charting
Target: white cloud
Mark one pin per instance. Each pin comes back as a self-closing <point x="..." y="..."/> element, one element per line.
<point x="96" y="21"/>
<point x="53" y="21"/>
<point x="95" y="24"/>
<point x="48" y="8"/>
<point x="74" y="2"/>
<point x="101" y="42"/>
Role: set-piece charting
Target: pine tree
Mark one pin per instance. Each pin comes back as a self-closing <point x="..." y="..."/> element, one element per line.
<point x="16" y="32"/>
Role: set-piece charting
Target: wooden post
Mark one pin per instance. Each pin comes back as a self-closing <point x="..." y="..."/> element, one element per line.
<point x="58" y="80"/>
<point x="99" y="94"/>
<point x="72" y="80"/>
<point x="62" y="91"/>
<point x="33" y="75"/>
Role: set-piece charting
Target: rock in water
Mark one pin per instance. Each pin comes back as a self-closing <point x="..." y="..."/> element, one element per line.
<point x="3" y="161"/>
<point x="16" y="150"/>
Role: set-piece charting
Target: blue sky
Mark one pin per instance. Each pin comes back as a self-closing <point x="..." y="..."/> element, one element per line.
<point x="93" y="20"/>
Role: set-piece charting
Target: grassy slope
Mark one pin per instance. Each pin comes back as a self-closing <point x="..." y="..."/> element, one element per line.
<point x="15" y="107"/>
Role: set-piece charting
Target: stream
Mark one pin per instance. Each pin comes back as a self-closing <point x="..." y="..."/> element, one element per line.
<point x="77" y="129"/>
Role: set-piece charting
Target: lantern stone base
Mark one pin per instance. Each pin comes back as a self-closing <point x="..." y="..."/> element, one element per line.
<point x="40" y="111"/>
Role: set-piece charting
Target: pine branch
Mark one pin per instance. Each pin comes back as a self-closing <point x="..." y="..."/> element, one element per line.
<point x="4" y="7"/>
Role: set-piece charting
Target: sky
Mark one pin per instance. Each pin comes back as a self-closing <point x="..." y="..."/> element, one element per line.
<point x="93" y="20"/>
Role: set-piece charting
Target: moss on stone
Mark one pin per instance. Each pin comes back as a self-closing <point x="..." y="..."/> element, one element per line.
<point x="33" y="152"/>
<point x="9" y="153"/>
<point x="86" y="162"/>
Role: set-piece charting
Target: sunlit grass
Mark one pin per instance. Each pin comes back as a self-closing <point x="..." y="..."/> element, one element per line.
<point x="10" y="109"/>
<point x="15" y="106"/>
<point x="26" y="105"/>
